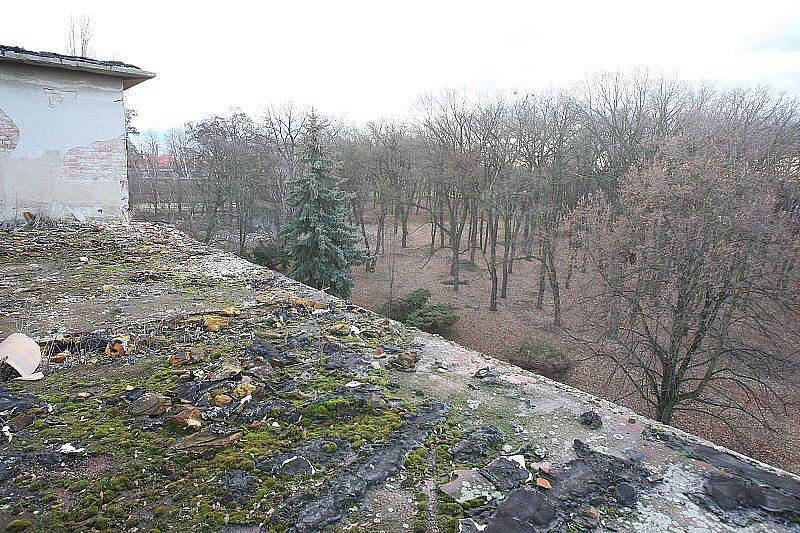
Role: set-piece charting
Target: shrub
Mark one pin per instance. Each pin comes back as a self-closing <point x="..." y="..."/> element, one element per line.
<point x="400" y="309"/>
<point x="272" y="254"/>
<point x="433" y="318"/>
<point x="414" y="310"/>
<point x="542" y="357"/>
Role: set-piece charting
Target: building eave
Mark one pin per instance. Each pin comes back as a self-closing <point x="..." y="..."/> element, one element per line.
<point x="130" y="74"/>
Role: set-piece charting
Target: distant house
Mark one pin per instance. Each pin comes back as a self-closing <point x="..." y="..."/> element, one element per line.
<point x="62" y="135"/>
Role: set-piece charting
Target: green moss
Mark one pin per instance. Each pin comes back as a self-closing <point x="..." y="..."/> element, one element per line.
<point x="222" y="349"/>
<point x="78" y="486"/>
<point x="451" y="525"/>
<point x="86" y="513"/>
<point x="333" y="408"/>
<point x="144" y="470"/>
<point x="101" y="522"/>
<point x="49" y="497"/>
<point x="477" y="502"/>
<point x="451" y="509"/>
<point x="39" y="484"/>
<point x="55" y="397"/>
<point x="20" y="524"/>
<point x="115" y="511"/>
<point x="417" y="458"/>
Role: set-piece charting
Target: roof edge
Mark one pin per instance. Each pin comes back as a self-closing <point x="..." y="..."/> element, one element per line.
<point x="131" y="75"/>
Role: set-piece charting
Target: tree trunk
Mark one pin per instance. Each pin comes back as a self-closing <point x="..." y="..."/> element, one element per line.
<point x="616" y="304"/>
<point x="542" y="269"/>
<point x="379" y="237"/>
<point x="506" y="250"/>
<point x="456" y="229"/>
<point x="552" y="275"/>
<point x="440" y="208"/>
<point x="242" y="226"/>
<point x="433" y="235"/>
<point x="369" y="263"/>
<point x="211" y="221"/>
<point x="473" y="232"/>
<point x="527" y="238"/>
<point x="493" y="223"/>
<point x="513" y="247"/>
<point x="668" y="395"/>
<point x="404" y="221"/>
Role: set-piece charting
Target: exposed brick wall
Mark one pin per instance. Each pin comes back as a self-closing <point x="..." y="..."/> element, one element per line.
<point x="9" y="133"/>
<point x="101" y="160"/>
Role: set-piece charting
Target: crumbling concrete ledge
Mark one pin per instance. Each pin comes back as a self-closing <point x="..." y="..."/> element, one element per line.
<point x="186" y="388"/>
<point x="684" y="468"/>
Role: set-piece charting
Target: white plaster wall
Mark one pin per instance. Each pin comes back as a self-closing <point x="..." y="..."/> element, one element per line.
<point x="69" y="159"/>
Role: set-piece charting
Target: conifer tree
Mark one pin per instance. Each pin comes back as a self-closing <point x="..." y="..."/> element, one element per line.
<point x="323" y="243"/>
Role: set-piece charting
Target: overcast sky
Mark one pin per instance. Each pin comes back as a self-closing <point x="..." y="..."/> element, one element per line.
<point x="368" y="59"/>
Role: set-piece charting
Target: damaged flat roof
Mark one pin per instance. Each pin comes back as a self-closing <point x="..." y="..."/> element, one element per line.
<point x="131" y="74"/>
<point x="230" y="397"/>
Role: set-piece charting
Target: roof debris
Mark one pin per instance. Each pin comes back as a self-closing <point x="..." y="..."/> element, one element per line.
<point x="218" y="394"/>
<point x="20" y="356"/>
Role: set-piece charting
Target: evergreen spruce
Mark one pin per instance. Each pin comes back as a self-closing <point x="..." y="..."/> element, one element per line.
<point x="323" y="243"/>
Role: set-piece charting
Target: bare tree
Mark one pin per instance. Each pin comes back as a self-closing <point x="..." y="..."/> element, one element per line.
<point x="377" y="167"/>
<point x="497" y="191"/>
<point x="447" y="123"/>
<point x="181" y="166"/>
<point x="704" y="295"/>
<point x="283" y="126"/>
<point x="150" y="150"/>
<point x="80" y="36"/>
<point x="213" y="140"/>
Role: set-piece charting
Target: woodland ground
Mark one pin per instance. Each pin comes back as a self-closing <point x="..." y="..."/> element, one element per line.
<point x="498" y="333"/>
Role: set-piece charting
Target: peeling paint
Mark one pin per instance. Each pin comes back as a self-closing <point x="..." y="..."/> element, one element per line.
<point x="56" y="96"/>
<point x="62" y="144"/>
